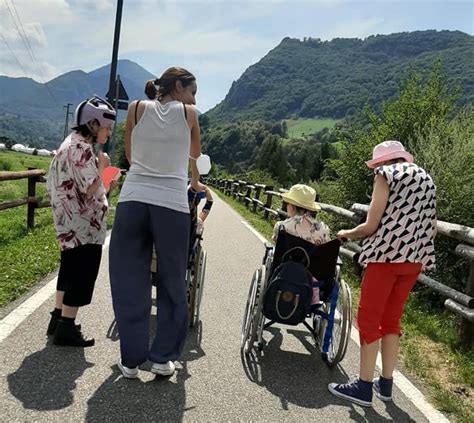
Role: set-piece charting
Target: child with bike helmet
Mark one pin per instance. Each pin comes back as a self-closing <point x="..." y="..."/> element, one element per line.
<point x="79" y="204"/>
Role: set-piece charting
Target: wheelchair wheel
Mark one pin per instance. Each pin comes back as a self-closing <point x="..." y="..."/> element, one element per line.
<point x="249" y="324"/>
<point x="340" y="333"/>
<point x="199" y="276"/>
<point x="191" y="293"/>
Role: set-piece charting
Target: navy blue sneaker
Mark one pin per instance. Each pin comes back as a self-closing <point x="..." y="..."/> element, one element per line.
<point x="383" y="388"/>
<point x="357" y="391"/>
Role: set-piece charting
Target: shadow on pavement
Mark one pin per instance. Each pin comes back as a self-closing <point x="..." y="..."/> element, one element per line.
<point x="161" y="398"/>
<point x="46" y="379"/>
<point x="302" y="379"/>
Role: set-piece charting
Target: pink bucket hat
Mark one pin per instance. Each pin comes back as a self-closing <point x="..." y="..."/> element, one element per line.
<point x="388" y="150"/>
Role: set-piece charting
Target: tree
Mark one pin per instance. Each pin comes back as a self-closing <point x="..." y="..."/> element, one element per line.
<point x="203" y="122"/>
<point x="419" y="105"/>
<point x="272" y="159"/>
<point x="119" y="158"/>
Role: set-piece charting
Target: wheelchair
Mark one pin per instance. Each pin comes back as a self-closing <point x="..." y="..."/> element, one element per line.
<point x="195" y="270"/>
<point x="329" y="322"/>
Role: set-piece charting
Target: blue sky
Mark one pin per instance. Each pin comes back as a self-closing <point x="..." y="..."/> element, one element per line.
<point x="215" y="39"/>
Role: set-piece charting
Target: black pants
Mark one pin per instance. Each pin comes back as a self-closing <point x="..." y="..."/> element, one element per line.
<point x="78" y="273"/>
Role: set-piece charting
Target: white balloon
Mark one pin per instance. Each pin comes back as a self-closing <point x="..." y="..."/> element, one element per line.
<point x="203" y="164"/>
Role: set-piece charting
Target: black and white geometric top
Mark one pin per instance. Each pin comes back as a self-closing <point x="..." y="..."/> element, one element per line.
<point x="406" y="231"/>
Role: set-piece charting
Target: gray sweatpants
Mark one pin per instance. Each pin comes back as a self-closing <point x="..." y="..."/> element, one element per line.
<point x="137" y="227"/>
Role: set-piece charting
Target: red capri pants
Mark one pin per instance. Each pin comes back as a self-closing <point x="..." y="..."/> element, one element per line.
<point x="385" y="289"/>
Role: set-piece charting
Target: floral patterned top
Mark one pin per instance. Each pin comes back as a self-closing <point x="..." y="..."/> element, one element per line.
<point x="305" y="227"/>
<point x="78" y="220"/>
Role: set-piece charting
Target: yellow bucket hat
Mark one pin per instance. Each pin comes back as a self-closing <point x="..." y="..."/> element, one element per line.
<point x="301" y="196"/>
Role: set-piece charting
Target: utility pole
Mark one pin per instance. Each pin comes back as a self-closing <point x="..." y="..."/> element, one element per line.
<point x="66" y="123"/>
<point x="113" y="65"/>
<point x="111" y="141"/>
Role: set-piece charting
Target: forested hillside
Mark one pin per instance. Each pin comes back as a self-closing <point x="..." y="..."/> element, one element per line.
<point x="335" y="79"/>
<point x="32" y="113"/>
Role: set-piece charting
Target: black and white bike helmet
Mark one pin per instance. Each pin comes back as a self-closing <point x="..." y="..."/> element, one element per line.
<point x="95" y="108"/>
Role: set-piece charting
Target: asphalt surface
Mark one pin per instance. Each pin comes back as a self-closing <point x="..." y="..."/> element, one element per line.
<point x="288" y="382"/>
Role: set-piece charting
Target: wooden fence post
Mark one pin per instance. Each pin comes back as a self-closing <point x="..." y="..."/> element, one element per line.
<point x="30" y="207"/>
<point x="258" y="190"/>
<point x="466" y="335"/>
<point x="248" y="194"/>
<point x="268" y="204"/>
<point x="240" y="191"/>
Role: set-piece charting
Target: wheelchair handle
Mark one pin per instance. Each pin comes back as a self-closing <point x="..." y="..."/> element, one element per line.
<point x="296" y="302"/>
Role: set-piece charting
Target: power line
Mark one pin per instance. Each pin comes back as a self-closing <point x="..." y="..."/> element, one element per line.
<point x="24" y="38"/>
<point x="13" y="54"/>
<point x="30" y="50"/>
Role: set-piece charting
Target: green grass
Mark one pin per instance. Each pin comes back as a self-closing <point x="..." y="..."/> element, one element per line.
<point x="298" y="128"/>
<point x="429" y="351"/>
<point x="25" y="256"/>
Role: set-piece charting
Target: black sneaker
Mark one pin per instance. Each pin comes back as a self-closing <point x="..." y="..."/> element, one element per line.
<point x="68" y="334"/>
<point x="383" y="388"/>
<point x="53" y="323"/>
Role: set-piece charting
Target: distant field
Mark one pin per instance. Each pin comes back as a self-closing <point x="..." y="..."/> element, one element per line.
<point x="298" y="128"/>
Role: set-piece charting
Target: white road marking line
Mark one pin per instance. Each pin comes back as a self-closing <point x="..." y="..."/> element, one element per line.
<point x="257" y="234"/>
<point x="15" y="318"/>
<point x="412" y="393"/>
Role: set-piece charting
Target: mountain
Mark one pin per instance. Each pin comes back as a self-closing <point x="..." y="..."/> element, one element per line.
<point x="28" y="110"/>
<point x="314" y="78"/>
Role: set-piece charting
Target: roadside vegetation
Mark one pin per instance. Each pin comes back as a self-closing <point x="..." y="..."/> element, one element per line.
<point x="25" y="256"/>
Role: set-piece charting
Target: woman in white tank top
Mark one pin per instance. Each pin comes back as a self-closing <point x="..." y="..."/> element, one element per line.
<point x="160" y="136"/>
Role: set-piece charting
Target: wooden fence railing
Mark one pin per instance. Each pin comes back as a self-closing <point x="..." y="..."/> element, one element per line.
<point x="32" y="202"/>
<point x="259" y="198"/>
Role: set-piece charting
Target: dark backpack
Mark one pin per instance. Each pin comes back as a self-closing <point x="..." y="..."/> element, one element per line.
<point x="287" y="298"/>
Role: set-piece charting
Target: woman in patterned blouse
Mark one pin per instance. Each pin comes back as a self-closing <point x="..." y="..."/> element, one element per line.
<point x="398" y="244"/>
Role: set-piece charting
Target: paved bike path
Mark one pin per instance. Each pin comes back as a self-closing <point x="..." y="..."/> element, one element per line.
<point x="42" y="382"/>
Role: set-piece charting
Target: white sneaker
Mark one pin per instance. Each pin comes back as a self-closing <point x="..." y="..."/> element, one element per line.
<point x="166" y="369"/>
<point x="127" y="372"/>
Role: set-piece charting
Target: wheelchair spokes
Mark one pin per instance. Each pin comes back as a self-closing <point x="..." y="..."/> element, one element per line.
<point x="251" y="319"/>
<point x="334" y="343"/>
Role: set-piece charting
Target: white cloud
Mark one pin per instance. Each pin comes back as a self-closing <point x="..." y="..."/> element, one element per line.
<point x="44" y="12"/>
<point x="355" y="28"/>
<point x="92" y="5"/>
<point x="194" y="43"/>
<point x="28" y="33"/>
